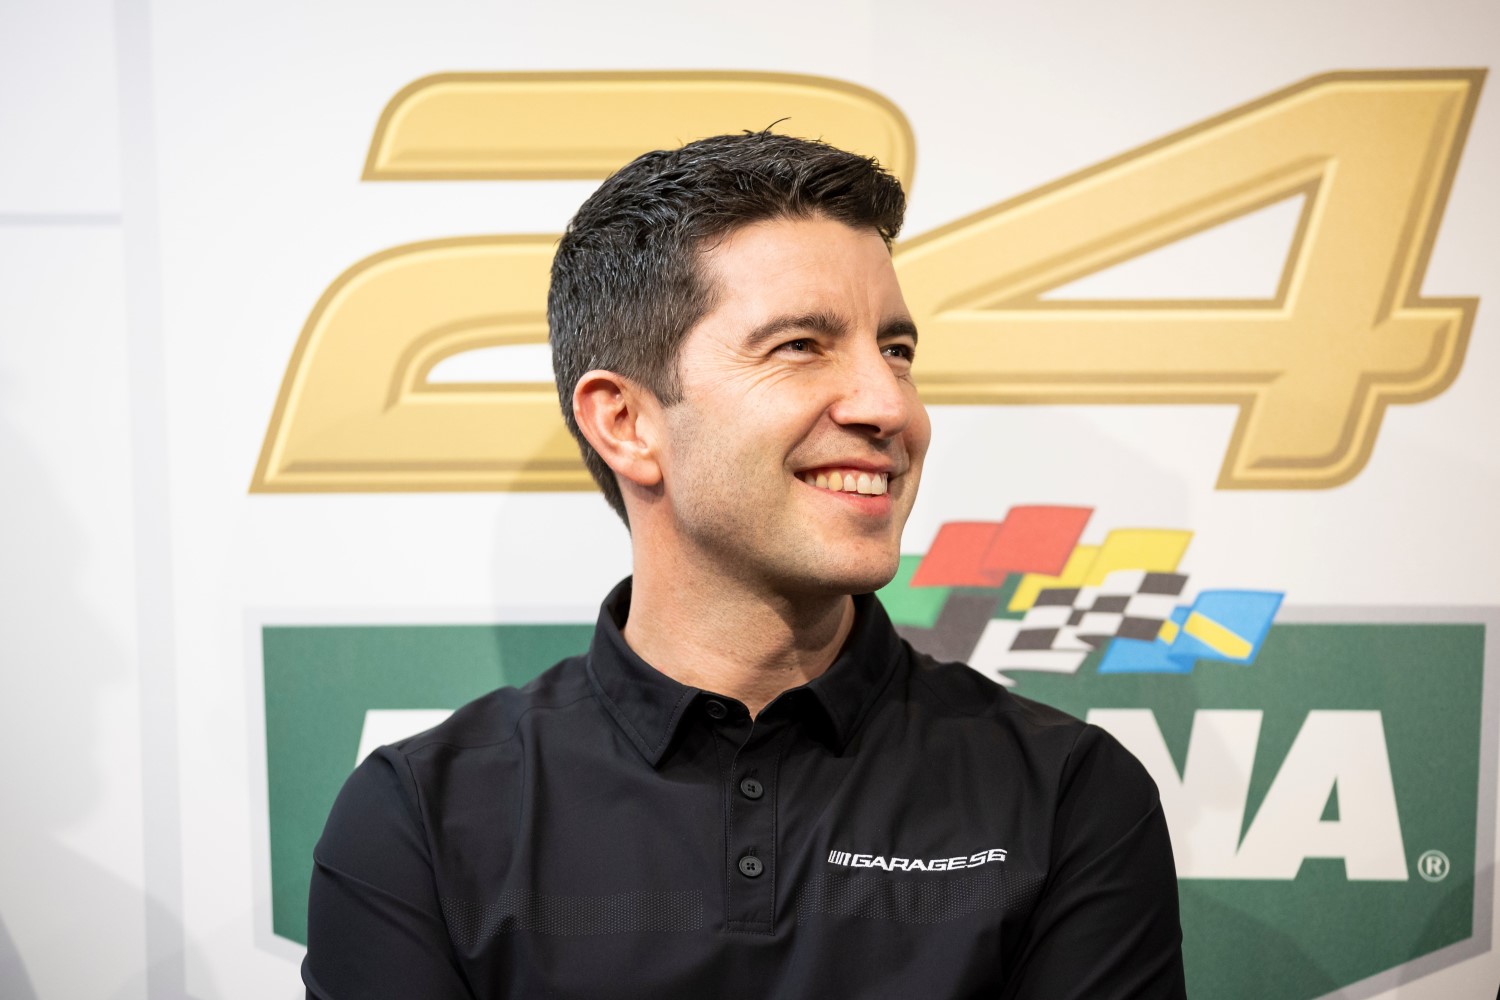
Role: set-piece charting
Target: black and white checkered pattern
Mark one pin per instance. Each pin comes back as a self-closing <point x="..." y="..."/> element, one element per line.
<point x="1067" y="623"/>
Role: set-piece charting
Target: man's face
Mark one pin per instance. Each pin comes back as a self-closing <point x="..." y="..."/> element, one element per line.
<point x="793" y="456"/>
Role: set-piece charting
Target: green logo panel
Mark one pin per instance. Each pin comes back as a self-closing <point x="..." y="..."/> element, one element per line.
<point x="320" y="681"/>
<point x="1322" y="931"/>
<point x="1250" y="938"/>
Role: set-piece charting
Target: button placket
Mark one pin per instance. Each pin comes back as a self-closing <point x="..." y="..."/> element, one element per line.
<point x="751" y="839"/>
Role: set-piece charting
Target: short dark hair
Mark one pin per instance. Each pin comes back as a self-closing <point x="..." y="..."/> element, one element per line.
<point x="626" y="283"/>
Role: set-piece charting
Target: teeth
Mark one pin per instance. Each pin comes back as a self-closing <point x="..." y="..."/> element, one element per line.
<point x="870" y="484"/>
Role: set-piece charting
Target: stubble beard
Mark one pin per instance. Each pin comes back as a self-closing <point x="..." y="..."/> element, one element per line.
<point x="721" y="520"/>
<point x="724" y="527"/>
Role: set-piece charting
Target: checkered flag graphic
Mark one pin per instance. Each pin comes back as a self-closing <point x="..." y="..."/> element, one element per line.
<point x="1066" y="624"/>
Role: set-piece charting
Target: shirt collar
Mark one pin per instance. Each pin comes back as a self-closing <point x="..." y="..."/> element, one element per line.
<point x="649" y="706"/>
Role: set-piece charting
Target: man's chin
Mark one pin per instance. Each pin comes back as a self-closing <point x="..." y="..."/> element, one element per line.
<point x="864" y="577"/>
<point x="871" y="582"/>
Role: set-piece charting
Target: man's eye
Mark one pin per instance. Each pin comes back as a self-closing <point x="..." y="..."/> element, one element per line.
<point x="903" y="351"/>
<point x="801" y="345"/>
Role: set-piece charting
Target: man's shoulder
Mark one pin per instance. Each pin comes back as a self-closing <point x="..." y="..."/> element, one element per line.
<point x="494" y="718"/>
<point x="1049" y="737"/>
<point x="966" y="691"/>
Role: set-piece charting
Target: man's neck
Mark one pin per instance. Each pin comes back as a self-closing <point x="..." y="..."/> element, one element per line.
<point x="718" y="636"/>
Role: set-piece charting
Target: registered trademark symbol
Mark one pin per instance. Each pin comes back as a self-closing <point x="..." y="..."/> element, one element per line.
<point x="1433" y="866"/>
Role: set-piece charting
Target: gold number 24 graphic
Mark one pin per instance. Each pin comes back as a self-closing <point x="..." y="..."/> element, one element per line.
<point x="1311" y="370"/>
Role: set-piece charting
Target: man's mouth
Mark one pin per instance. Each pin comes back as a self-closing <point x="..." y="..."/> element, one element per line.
<point x="847" y="481"/>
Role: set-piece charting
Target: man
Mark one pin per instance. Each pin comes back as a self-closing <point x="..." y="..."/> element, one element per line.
<point x="749" y="786"/>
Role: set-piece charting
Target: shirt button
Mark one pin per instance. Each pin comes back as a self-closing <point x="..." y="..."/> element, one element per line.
<point x="750" y="866"/>
<point x="716" y="709"/>
<point x="752" y="789"/>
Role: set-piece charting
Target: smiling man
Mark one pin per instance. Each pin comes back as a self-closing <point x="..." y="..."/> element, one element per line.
<point x="749" y="786"/>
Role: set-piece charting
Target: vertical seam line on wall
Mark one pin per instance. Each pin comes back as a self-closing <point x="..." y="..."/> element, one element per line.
<point x="150" y="499"/>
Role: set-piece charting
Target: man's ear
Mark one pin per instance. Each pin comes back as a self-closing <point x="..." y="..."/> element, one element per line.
<point x="619" y="417"/>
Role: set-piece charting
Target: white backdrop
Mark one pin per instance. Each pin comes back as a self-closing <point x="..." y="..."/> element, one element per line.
<point x="181" y="181"/>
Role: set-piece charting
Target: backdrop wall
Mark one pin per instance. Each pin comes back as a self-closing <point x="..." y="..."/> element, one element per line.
<point x="1205" y="338"/>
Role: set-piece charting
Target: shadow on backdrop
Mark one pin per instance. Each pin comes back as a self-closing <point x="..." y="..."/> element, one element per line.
<point x="62" y="668"/>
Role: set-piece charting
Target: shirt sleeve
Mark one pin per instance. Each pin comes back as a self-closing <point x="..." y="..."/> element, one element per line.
<point x="1107" y="925"/>
<point x="374" y="926"/>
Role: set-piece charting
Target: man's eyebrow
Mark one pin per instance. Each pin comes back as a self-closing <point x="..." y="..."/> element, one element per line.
<point x="820" y="321"/>
<point x="902" y="327"/>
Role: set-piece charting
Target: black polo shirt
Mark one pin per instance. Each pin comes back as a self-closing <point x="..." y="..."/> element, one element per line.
<point x="897" y="827"/>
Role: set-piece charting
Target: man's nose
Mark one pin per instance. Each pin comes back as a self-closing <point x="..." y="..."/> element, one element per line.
<point x="872" y="395"/>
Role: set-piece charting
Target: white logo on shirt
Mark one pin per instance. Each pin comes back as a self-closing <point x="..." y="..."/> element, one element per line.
<point x="895" y="864"/>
